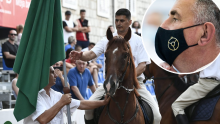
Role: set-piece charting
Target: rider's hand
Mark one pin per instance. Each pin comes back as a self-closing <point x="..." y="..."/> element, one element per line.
<point x="75" y="55"/>
<point x="167" y="66"/>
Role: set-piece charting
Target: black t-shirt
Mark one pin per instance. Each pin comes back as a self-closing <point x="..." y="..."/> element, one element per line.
<point x="12" y="49"/>
<point x="64" y="24"/>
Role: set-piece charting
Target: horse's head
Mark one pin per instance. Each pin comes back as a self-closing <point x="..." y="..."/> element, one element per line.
<point x="118" y="58"/>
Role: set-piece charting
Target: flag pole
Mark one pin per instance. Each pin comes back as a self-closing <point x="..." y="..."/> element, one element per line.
<point x="66" y="85"/>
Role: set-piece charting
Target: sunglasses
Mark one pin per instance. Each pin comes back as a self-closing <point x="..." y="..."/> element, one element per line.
<point x="13" y="34"/>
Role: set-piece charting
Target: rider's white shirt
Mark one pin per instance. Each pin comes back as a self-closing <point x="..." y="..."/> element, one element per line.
<point x="212" y="71"/>
<point x="137" y="48"/>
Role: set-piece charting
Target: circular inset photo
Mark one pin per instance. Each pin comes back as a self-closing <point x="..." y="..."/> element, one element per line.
<point x="182" y="36"/>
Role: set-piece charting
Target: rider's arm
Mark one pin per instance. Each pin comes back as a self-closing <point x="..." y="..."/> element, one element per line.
<point x="141" y="58"/>
<point x="97" y="50"/>
<point x="88" y="55"/>
<point x="140" y="68"/>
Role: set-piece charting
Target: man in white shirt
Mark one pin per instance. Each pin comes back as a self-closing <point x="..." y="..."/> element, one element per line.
<point x="51" y="104"/>
<point x="122" y="22"/>
<point x="68" y="27"/>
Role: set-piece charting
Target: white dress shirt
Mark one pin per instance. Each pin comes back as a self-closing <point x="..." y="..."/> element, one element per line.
<point x="137" y="48"/>
<point x="45" y="102"/>
<point x="212" y="71"/>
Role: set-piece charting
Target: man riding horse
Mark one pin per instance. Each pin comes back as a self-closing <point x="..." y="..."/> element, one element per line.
<point x="202" y="19"/>
<point x="122" y="22"/>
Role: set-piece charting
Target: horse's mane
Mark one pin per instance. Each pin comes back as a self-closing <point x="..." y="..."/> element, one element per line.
<point x="120" y="41"/>
<point x="178" y="83"/>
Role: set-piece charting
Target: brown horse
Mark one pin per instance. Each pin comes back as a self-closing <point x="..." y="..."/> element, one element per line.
<point x="168" y="87"/>
<point x="120" y="83"/>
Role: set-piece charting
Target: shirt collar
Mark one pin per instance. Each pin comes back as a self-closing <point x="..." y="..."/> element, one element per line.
<point x="44" y="91"/>
<point x="80" y="72"/>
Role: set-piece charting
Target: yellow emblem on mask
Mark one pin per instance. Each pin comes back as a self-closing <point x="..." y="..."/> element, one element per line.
<point x="173" y="44"/>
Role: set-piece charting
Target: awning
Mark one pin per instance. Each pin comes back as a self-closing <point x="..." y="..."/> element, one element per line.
<point x="13" y="12"/>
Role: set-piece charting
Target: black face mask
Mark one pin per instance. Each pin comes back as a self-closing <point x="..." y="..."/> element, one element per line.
<point x="171" y="43"/>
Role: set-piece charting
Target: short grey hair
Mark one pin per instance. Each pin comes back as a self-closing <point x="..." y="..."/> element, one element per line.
<point x="71" y="39"/>
<point x="207" y="11"/>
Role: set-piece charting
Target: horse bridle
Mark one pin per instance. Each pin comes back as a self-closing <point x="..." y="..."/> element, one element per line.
<point x="159" y="78"/>
<point x="126" y="102"/>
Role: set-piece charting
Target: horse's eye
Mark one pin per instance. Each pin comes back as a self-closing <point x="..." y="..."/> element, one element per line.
<point x="125" y="56"/>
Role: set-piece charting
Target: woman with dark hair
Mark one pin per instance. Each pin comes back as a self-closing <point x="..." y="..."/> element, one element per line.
<point x="136" y="28"/>
<point x="68" y="52"/>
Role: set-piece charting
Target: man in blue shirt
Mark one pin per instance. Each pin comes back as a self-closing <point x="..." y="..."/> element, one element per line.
<point x="71" y="43"/>
<point x="79" y="79"/>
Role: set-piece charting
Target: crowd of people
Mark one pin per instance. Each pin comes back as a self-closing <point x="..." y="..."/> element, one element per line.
<point x="83" y="69"/>
<point x="81" y="75"/>
<point x="80" y="43"/>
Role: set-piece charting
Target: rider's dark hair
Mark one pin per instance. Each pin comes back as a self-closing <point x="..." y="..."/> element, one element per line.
<point x="124" y="12"/>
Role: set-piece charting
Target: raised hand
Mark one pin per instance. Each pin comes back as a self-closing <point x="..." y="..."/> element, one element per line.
<point x="58" y="73"/>
<point x="74" y="55"/>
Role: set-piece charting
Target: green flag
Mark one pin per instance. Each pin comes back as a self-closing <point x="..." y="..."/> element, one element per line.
<point x="41" y="46"/>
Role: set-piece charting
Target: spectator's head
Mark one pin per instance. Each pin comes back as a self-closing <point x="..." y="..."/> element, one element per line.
<point x="20" y="28"/>
<point x="68" y="52"/>
<point x="81" y="65"/>
<point x="111" y="28"/>
<point x="82" y="13"/>
<point x="52" y="77"/>
<point x="67" y="15"/>
<point x="122" y="20"/>
<point x="91" y="45"/>
<point x="57" y="64"/>
<point x="136" y="25"/>
<point x="71" y="40"/>
<point x="12" y="35"/>
<point x="78" y="48"/>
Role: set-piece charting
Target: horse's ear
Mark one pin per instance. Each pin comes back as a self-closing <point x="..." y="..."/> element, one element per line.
<point x="109" y="34"/>
<point x="128" y="35"/>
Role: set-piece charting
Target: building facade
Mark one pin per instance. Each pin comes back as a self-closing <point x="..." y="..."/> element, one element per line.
<point x="100" y="13"/>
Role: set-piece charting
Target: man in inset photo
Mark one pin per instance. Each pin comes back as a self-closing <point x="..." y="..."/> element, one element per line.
<point x="190" y="38"/>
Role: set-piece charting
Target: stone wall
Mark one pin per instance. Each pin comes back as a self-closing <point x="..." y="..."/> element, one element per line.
<point x="99" y="24"/>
